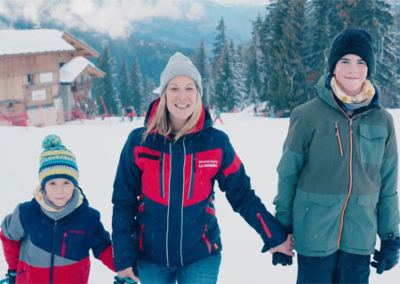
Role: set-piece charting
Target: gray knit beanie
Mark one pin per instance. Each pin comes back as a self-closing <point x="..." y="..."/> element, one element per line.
<point x="179" y="65"/>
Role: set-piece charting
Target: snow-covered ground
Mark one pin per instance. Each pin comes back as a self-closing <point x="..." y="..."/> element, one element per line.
<point x="97" y="145"/>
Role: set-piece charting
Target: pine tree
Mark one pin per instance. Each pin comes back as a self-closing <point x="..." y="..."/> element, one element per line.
<point x="294" y="36"/>
<point x="220" y="39"/>
<point x="136" y="85"/>
<point x="239" y="79"/>
<point x="202" y="64"/>
<point x="224" y="89"/>
<point x="253" y="60"/>
<point x="220" y="42"/>
<point x="316" y="34"/>
<point x="104" y="87"/>
<point x="148" y="95"/>
<point x="124" y="85"/>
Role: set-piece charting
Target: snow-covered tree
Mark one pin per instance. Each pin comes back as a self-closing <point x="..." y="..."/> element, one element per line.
<point x="104" y="87"/>
<point x="136" y="84"/>
<point x="124" y="85"/>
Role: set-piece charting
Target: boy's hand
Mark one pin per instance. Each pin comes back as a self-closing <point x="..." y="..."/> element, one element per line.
<point x="11" y="275"/>
<point x="388" y="256"/>
<point x="286" y="247"/>
<point x="283" y="253"/>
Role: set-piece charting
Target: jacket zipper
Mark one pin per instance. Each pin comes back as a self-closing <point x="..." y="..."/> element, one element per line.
<point x="338" y="138"/>
<point x="162" y="191"/>
<point x="350" y="172"/>
<point x="53" y="247"/>
<point x="169" y="201"/>
<point x="350" y="182"/>
<point x="63" y="245"/>
<point x="192" y="174"/>
<point x="183" y="195"/>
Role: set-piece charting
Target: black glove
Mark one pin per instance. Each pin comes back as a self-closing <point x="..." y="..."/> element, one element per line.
<point x="122" y="280"/>
<point x="281" y="258"/>
<point x="388" y="256"/>
<point x="11" y="274"/>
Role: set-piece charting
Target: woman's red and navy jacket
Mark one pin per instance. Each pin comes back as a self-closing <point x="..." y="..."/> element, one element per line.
<point x="164" y="199"/>
<point x="45" y="250"/>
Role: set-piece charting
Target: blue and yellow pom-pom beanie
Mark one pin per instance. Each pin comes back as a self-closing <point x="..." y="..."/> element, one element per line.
<point x="56" y="161"/>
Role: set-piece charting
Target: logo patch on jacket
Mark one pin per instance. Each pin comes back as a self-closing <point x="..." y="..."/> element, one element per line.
<point x="208" y="163"/>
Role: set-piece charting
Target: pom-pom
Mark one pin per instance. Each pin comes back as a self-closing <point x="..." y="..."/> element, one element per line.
<point x="51" y="141"/>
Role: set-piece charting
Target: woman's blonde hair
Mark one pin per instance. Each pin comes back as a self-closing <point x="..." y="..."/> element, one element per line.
<point x="162" y="124"/>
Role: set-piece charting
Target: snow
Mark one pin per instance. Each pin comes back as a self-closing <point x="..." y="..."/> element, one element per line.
<point x="71" y="70"/>
<point x="97" y="145"/>
<point x="32" y="41"/>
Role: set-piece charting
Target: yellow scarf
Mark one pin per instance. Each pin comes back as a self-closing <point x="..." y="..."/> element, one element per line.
<point x="367" y="93"/>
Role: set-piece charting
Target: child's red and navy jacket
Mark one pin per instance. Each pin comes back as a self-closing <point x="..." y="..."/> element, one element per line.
<point x="164" y="199"/>
<point x="53" y="247"/>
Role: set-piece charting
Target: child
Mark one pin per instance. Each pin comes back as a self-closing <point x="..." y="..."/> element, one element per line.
<point x="47" y="239"/>
<point x="338" y="173"/>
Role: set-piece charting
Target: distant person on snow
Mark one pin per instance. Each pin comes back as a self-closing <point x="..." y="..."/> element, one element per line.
<point x="338" y="173"/>
<point x="164" y="219"/>
<point x="217" y="114"/>
<point x="47" y="239"/>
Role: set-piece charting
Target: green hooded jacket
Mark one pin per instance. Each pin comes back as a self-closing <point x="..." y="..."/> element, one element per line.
<point x="338" y="177"/>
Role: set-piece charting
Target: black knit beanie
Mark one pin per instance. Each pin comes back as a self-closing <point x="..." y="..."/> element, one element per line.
<point x="352" y="41"/>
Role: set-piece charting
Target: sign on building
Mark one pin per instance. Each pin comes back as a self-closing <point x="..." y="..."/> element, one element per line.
<point x="39" y="95"/>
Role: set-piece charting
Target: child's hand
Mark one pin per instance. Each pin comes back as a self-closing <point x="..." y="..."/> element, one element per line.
<point x="286" y="247"/>
<point x="11" y="275"/>
<point x="127" y="273"/>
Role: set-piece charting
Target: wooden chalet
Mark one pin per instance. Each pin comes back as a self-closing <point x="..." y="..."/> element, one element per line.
<point x="43" y="73"/>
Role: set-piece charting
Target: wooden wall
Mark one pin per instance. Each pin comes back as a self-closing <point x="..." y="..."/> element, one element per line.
<point x="14" y="72"/>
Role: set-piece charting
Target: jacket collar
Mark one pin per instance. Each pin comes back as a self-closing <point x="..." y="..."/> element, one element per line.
<point x="324" y="92"/>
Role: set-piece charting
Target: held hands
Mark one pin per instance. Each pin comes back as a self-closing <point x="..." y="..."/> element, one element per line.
<point x="11" y="275"/>
<point x="388" y="256"/>
<point x="283" y="253"/>
<point x="126" y="276"/>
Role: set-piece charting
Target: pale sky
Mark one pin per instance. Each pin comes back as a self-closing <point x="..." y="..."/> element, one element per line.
<point x="119" y="16"/>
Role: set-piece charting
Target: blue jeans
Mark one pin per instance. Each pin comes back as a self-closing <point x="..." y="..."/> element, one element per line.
<point x="339" y="267"/>
<point x="202" y="271"/>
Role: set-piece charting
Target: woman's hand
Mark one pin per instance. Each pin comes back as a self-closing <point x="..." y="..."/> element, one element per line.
<point x="286" y="247"/>
<point x="128" y="273"/>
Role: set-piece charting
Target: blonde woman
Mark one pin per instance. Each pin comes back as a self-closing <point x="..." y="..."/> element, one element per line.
<point x="164" y="219"/>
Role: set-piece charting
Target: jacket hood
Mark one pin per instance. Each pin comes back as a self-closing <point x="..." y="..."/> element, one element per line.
<point x="324" y="91"/>
<point x="204" y="121"/>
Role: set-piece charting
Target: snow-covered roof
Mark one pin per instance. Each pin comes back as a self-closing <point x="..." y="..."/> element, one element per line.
<point x="32" y="41"/>
<point x="72" y="69"/>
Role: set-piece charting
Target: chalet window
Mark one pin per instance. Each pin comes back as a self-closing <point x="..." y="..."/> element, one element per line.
<point x="46" y="77"/>
<point x="10" y="105"/>
<point x="30" y="79"/>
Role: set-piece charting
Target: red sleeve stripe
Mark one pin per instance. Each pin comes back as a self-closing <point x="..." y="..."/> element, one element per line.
<point x="267" y="231"/>
<point x="234" y="167"/>
<point x="210" y="210"/>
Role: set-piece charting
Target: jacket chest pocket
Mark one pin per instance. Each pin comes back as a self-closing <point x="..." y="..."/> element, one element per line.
<point x="73" y="244"/>
<point x="372" y="143"/>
